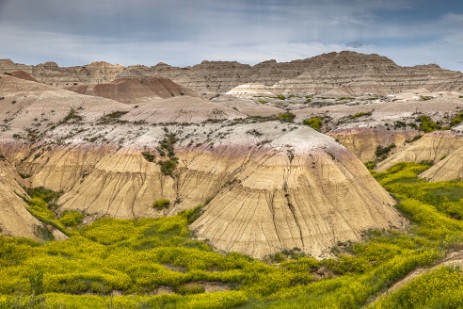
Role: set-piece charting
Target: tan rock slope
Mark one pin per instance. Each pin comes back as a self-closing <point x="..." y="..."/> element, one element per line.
<point x="271" y="185"/>
<point x="363" y="142"/>
<point x="14" y="218"/>
<point x="449" y="168"/>
<point x="434" y="146"/>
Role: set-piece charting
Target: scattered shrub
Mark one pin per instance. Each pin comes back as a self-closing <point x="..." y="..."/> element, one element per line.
<point x="427" y="125"/>
<point x="313" y="122"/>
<point x="382" y="152"/>
<point x="456" y="120"/>
<point x="161" y="203"/>
<point x="148" y="156"/>
<point x="425" y="98"/>
<point x="286" y="117"/>
<point x="360" y="114"/>
<point x="71" y="117"/>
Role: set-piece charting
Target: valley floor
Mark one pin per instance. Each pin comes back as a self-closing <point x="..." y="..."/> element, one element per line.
<point x="157" y="263"/>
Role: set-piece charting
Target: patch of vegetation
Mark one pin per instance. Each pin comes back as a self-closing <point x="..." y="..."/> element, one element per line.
<point x="313" y="122"/>
<point x="416" y="137"/>
<point x="360" y="114"/>
<point x="112" y="117"/>
<point x="440" y="288"/>
<point x="71" y="117"/>
<point x="161" y="203"/>
<point x="425" y="98"/>
<point x="71" y="218"/>
<point x="262" y="101"/>
<point x="426" y="124"/>
<point x="279" y="97"/>
<point x="148" y="156"/>
<point x="399" y="125"/>
<point x="166" y="149"/>
<point x="286" y="117"/>
<point x="345" y="98"/>
<point x="382" y="152"/>
<point x="456" y="120"/>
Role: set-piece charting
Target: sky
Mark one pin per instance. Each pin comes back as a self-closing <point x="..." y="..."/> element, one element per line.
<point x="186" y="32"/>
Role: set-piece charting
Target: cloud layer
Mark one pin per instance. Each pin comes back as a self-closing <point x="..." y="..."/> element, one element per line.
<point x="182" y="32"/>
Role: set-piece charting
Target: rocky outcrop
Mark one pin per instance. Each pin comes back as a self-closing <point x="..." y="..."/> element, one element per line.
<point x="51" y="74"/>
<point x="343" y="73"/>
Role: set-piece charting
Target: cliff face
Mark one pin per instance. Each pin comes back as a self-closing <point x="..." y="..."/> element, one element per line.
<point x="271" y="185"/>
<point x="363" y="142"/>
<point x="342" y="73"/>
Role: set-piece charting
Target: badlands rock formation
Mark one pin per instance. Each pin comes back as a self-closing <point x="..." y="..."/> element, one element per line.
<point x="271" y="185"/>
<point x="126" y="137"/>
<point x="345" y="72"/>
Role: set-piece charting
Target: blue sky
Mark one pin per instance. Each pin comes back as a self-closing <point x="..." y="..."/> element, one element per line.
<point x="185" y="32"/>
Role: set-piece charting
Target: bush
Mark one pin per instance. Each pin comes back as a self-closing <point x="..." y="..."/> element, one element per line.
<point x="168" y="166"/>
<point x="72" y="116"/>
<point x="148" y="156"/>
<point x="456" y="120"/>
<point x="161" y="203"/>
<point x="381" y="152"/>
<point x="427" y="125"/>
<point x="425" y="98"/>
<point x="286" y="117"/>
<point x="314" y="122"/>
<point x="360" y="114"/>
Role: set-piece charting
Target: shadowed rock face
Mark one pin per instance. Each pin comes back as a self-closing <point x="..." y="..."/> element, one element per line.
<point x="343" y="73"/>
<point x="271" y="185"/>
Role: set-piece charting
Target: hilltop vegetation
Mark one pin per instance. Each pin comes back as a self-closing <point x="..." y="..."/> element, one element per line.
<point x="128" y="263"/>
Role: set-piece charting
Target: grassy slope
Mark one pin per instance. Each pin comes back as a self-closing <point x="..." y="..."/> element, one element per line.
<point x="132" y="259"/>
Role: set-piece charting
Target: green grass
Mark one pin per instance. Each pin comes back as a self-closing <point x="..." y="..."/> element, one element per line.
<point x="426" y="124"/>
<point x="133" y="258"/>
<point x="313" y="122"/>
<point x="286" y="117"/>
<point x="360" y="114"/>
<point x="161" y="203"/>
